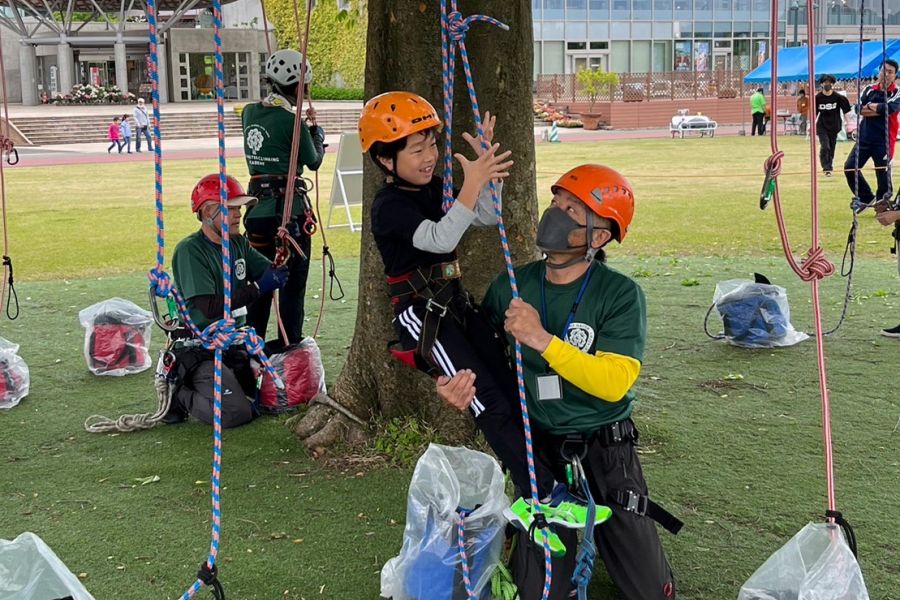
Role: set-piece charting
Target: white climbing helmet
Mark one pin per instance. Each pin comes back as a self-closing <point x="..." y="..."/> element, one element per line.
<point x="283" y="67"/>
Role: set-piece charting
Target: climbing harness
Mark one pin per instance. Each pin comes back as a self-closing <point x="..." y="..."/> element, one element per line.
<point x="453" y="33"/>
<point x="815" y="266"/>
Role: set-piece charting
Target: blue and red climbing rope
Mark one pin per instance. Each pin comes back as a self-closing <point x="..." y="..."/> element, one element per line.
<point x="453" y="33"/>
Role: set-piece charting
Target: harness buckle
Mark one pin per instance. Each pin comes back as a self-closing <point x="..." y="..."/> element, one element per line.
<point x="615" y="431"/>
<point x="435" y="308"/>
<point x="632" y="502"/>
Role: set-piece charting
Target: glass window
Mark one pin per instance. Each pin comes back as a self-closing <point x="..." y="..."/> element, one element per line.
<point x="598" y="31"/>
<point x="599" y="45"/>
<point x="536" y="9"/>
<point x="621" y="9"/>
<point x="641" y="31"/>
<point x="662" y="9"/>
<point x="723" y="10"/>
<point x="620" y="57"/>
<point x="576" y="10"/>
<point x="760" y="27"/>
<point x="640" y="57"/>
<point x="537" y="60"/>
<point x="703" y="9"/>
<point x="760" y="9"/>
<point x="554" y="58"/>
<point x="760" y="52"/>
<point x="599" y="9"/>
<point x="701" y="55"/>
<point x="576" y="4"/>
<point x="742" y="9"/>
<point x="741" y="29"/>
<point x="683" y="56"/>
<point x="703" y="29"/>
<point x="620" y="31"/>
<point x="684" y="9"/>
<point x="662" y="31"/>
<point x="742" y="55"/>
<point x="576" y="45"/>
<point x="722" y="30"/>
<point x="553" y="9"/>
<point x="662" y="56"/>
<point x="554" y="30"/>
<point x="640" y="9"/>
<point x="685" y="29"/>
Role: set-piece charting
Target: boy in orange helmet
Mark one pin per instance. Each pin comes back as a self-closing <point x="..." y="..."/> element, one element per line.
<point x="582" y="326"/>
<point x="441" y="331"/>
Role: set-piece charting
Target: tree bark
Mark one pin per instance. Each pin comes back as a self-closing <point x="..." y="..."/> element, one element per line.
<point x="403" y="52"/>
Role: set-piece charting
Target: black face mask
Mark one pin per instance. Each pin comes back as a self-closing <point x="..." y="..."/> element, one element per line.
<point x="554" y="229"/>
<point x="826" y="87"/>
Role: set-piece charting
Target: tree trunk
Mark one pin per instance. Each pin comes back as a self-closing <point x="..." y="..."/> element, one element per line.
<point x="404" y="53"/>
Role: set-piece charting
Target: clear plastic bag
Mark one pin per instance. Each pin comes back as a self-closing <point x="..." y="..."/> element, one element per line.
<point x="300" y="368"/>
<point x="816" y="564"/>
<point x="29" y="570"/>
<point x="447" y="479"/>
<point x="755" y="315"/>
<point x="14" y="377"/>
<point x="117" y="337"/>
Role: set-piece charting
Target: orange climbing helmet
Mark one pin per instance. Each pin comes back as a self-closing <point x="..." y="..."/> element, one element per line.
<point x="392" y="116"/>
<point x="207" y="190"/>
<point x="603" y="190"/>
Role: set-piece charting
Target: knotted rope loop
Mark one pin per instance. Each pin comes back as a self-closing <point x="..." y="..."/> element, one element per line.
<point x="459" y="26"/>
<point x="815" y="265"/>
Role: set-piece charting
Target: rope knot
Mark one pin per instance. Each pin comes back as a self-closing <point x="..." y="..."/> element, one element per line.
<point x="772" y="165"/>
<point x="584" y="567"/>
<point x="219" y="334"/>
<point x="815" y="265"/>
<point x="160" y="282"/>
<point x="457" y="26"/>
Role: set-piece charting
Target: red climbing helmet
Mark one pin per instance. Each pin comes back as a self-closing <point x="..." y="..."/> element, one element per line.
<point x="207" y="190"/>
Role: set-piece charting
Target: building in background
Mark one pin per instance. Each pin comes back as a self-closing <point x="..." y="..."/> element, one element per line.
<point x="105" y="43"/>
<point x="657" y="36"/>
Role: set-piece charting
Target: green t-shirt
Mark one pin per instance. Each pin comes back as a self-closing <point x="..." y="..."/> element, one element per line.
<point x="757" y="103"/>
<point x="268" y="133"/>
<point x="610" y="318"/>
<point x="197" y="266"/>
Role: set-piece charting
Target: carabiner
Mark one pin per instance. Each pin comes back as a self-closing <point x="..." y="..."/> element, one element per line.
<point x="166" y="324"/>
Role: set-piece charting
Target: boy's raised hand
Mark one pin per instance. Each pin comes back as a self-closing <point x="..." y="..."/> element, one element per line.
<point x="487" y="126"/>
<point x="489" y="165"/>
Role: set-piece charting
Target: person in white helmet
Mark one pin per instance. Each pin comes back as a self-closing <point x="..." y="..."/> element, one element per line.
<point x="268" y="137"/>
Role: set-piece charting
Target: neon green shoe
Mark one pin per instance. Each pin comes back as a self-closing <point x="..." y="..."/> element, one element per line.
<point x="574" y="515"/>
<point x="521" y="514"/>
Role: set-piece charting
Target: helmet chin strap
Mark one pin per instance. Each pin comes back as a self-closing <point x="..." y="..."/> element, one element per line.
<point x="589" y="253"/>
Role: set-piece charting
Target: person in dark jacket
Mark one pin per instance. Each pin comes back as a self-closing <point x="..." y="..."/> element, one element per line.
<point x="878" y="108"/>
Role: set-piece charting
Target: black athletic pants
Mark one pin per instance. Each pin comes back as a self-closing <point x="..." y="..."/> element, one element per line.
<point x="474" y="344"/>
<point x="195" y="388"/>
<point x="628" y="544"/>
<point x="879" y="156"/>
<point x="827" y="142"/>
<point x="759" y="124"/>
<point x="262" y="233"/>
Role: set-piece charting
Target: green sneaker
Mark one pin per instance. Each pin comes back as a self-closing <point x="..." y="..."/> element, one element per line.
<point x="521" y="514"/>
<point x="574" y="515"/>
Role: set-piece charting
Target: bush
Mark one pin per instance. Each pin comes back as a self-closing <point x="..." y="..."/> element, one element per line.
<point x="333" y="93"/>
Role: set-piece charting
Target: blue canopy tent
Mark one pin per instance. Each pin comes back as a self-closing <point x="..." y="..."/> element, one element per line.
<point x="840" y="60"/>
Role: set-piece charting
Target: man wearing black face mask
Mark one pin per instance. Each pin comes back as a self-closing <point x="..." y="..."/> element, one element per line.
<point x="582" y="327"/>
<point x="830" y="110"/>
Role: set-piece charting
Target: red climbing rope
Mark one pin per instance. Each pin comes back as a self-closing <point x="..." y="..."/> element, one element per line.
<point x="814" y="266"/>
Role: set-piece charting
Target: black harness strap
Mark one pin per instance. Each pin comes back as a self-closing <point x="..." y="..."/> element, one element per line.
<point x="439" y="288"/>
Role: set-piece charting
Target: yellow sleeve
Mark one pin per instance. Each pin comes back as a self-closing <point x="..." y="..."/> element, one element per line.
<point x="606" y="375"/>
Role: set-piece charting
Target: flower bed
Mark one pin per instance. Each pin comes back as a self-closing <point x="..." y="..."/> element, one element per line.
<point x="91" y="94"/>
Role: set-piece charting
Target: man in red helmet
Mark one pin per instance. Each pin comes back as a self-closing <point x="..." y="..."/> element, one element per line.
<point x="582" y="327"/>
<point x="197" y="267"/>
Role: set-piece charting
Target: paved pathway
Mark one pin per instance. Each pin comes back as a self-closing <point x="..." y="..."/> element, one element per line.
<point x="206" y="148"/>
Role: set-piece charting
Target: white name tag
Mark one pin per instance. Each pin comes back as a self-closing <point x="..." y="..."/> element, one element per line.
<point x="549" y="387"/>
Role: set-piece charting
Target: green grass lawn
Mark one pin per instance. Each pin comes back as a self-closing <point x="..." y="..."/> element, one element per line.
<point x="732" y="437"/>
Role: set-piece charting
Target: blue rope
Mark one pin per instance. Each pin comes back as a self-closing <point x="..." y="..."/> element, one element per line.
<point x="453" y="33"/>
<point x="587" y="553"/>
<point x="461" y="545"/>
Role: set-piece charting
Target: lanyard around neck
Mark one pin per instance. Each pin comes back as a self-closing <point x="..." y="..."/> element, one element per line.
<point x="572" y="312"/>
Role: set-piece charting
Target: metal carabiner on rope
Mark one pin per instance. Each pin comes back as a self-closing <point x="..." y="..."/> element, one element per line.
<point x="166" y="324"/>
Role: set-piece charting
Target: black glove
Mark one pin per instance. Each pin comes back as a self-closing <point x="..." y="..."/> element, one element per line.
<point x="274" y="278"/>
